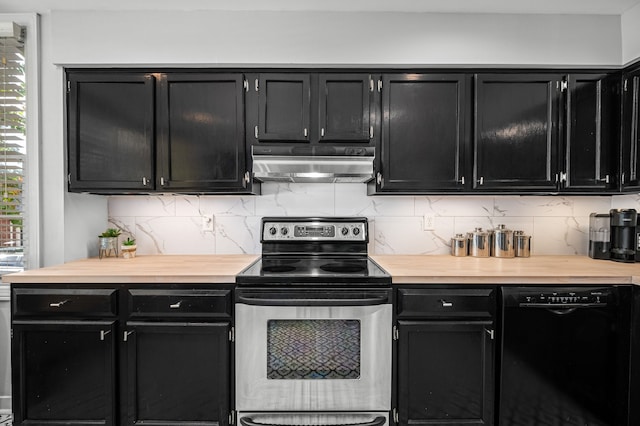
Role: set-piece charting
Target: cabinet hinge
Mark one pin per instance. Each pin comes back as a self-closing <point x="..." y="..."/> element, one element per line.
<point x="396" y="416"/>
<point x="245" y="84"/>
<point x="255" y="132"/>
<point x="232" y="418"/>
<point x="257" y="86"/>
<point x="564" y="86"/>
<point x="68" y="86"/>
<point x="232" y="334"/>
<point x="491" y="333"/>
<point x="626" y="84"/>
<point x="563" y="177"/>
<point x="379" y="85"/>
<point x="12" y="333"/>
<point x="396" y="333"/>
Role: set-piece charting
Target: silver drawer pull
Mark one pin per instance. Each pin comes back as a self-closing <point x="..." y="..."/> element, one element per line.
<point x="446" y="304"/>
<point x="176" y="305"/>
<point x="58" y="304"/>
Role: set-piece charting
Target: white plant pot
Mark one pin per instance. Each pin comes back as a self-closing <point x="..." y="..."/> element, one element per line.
<point x="128" y="252"/>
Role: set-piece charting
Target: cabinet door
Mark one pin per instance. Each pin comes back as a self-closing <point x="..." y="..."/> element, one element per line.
<point x="177" y="373"/>
<point x="110" y="132"/>
<point x="630" y="168"/>
<point x="516" y="132"/>
<point x="63" y="373"/>
<point x="201" y="132"/>
<point x="423" y="132"/>
<point x="284" y="107"/>
<point x="445" y="373"/>
<point x="345" y="107"/>
<point x="591" y="134"/>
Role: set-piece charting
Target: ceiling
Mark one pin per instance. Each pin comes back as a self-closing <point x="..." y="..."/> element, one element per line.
<point x="597" y="7"/>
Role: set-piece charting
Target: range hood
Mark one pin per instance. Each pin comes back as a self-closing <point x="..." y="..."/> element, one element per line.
<point x="312" y="163"/>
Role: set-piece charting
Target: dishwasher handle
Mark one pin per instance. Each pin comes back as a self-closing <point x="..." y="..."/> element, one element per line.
<point x="378" y="421"/>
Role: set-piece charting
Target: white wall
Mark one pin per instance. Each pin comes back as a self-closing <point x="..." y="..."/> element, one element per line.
<point x="329" y="38"/>
<point x="631" y="35"/>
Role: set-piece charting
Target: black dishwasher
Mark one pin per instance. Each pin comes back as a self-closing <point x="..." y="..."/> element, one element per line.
<point x="564" y="356"/>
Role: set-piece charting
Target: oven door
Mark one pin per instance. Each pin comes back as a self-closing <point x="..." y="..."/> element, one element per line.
<point x="313" y="350"/>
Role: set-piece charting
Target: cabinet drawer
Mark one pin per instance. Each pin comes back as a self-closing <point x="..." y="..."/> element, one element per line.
<point x="446" y="303"/>
<point x="65" y="302"/>
<point x="180" y="303"/>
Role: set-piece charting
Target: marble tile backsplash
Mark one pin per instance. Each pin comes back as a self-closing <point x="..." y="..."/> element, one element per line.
<point x="172" y="224"/>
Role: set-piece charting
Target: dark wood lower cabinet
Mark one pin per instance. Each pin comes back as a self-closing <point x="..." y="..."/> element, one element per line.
<point x="64" y="372"/>
<point x="177" y="373"/>
<point x="445" y="373"/>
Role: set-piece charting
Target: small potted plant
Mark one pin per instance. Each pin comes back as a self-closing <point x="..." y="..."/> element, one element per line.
<point x="128" y="248"/>
<point x="109" y="242"/>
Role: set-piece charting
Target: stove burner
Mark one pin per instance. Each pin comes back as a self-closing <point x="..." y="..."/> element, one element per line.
<point x="342" y="267"/>
<point x="278" y="268"/>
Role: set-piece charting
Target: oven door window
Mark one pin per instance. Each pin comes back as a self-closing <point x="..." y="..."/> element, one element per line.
<point x="312" y="349"/>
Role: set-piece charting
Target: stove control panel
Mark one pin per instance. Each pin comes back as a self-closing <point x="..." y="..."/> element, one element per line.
<point x="313" y="231"/>
<point x="569" y="298"/>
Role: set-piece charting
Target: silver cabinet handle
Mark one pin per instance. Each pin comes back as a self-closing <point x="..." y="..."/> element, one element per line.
<point x="144" y="181"/>
<point x="379" y="178"/>
<point x="371" y="132"/>
<point x="176" y="305"/>
<point x="605" y="179"/>
<point x="58" y="304"/>
<point x="126" y="335"/>
<point x="161" y="181"/>
<point x="306" y="132"/>
<point x="446" y="304"/>
<point x="461" y="181"/>
<point x="104" y="333"/>
<point x="491" y="333"/>
<point x="481" y="180"/>
<point x="321" y="133"/>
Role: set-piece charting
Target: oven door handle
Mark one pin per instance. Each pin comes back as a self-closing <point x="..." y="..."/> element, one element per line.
<point x="378" y="421"/>
<point x="303" y="301"/>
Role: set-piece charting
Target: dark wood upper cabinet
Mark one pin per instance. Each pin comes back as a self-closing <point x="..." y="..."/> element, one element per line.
<point x="345" y="107"/>
<point x="201" y="132"/>
<point x="517" y="132"/>
<point x="424" y="132"/>
<point x="311" y="108"/>
<point x="630" y="154"/>
<point x="591" y="134"/>
<point x="284" y="107"/>
<point x="111" y="131"/>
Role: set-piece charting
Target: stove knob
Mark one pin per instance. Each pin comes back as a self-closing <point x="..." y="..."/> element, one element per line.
<point x="356" y="231"/>
<point x="344" y="231"/>
<point x="284" y="231"/>
<point x="273" y="230"/>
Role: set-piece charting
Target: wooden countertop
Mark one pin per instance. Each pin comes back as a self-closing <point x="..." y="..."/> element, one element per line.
<point x="405" y="269"/>
<point x="532" y="270"/>
<point x="141" y="269"/>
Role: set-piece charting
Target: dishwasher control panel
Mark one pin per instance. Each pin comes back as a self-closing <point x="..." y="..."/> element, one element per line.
<point x="568" y="297"/>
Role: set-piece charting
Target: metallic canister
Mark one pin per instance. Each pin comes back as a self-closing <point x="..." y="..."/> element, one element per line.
<point x="522" y="244"/>
<point x="459" y="246"/>
<point x="479" y="243"/>
<point x="503" y="242"/>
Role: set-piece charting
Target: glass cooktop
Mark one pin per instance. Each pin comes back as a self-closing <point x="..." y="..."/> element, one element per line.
<point x="327" y="270"/>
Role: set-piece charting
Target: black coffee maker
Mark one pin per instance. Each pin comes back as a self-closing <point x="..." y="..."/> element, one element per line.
<point x="624" y="235"/>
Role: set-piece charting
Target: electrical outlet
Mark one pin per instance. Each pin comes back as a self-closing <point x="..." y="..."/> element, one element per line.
<point x="207" y="222"/>
<point x="428" y="223"/>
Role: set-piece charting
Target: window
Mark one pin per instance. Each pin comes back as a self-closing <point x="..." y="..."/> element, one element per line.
<point x="13" y="148"/>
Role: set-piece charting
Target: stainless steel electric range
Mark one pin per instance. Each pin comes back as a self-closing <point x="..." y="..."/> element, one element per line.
<point x="313" y="327"/>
